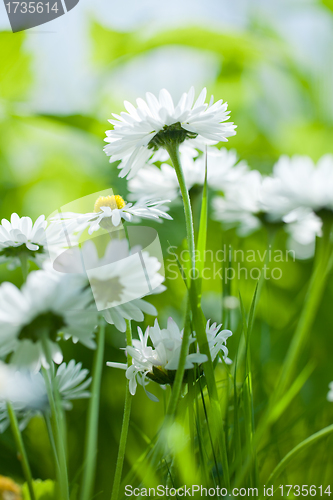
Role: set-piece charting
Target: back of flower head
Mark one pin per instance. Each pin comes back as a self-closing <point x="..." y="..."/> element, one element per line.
<point x="158" y="123"/>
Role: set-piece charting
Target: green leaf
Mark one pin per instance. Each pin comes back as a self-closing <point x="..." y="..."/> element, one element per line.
<point x="295" y="451"/>
<point x="44" y="490"/>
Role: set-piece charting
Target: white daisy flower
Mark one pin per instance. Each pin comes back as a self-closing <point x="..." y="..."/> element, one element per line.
<point x="223" y="172"/>
<point x="26" y="391"/>
<point x="110" y="210"/>
<point x="118" y="280"/>
<point x="156" y="123"/>
<point x="330" y="392"/>
<point x="20" y="237"/>
<point x="241" y="204"/>
<point x="303" y="227"/>
<point x="159" y="361"/>
<point x="298" y="183"/>
<point x="47" y="304"/>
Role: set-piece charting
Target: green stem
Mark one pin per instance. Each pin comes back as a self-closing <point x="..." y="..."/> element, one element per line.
<point x="125" y="424"/>
<point x="173" y="151"/>
<point x="24" y="266"/>
<point x="52" y="442"/>
<point x="56" y="416"/>
<point x="21" y="449"/>
<point x="90" y="454"/>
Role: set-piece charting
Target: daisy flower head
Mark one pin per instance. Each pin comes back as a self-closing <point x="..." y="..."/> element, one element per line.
<point x="32" y="318"/>
<point x="118" y="280"/>
<point x="20" y="237"/>
<point x="27" y="392"/>
<point x="159" y="359"/>
<point x="241" y="204"/>
<point x="300" y="183"/>
<point x="110" y="210"/>
<point x="159" y="123"/>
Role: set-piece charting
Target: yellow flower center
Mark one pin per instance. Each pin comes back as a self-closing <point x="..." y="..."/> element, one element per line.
<point x="8" y="489"/>
<point x="112" y="201"/>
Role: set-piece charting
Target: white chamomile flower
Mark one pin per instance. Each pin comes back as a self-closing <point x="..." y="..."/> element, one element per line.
<point x="118" y="280"/>
<point x="19" y="237"/>
<point x="303" y="227"/>
<point x="110" y="210"/>
<point x="154" y="181"/>
<point x="330" y="392"/>
<point x="241" y="204"/>
<point x="46" y="305"/>
<point x="27" y="393"/>
<point x="157" y="123"/>
<point x="299" y="183"/>
<point x="159" y="361"/>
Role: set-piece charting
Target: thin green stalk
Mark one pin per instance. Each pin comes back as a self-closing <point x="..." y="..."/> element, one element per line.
<point x="56" y="413"/>
<point x="21" y="449"/>
<point x="174" y="156"/>
<point x="90" y="455"/>
<point x="52" y="442"/>
<point x="24" y="266"/>
<point x="125" y="424"/>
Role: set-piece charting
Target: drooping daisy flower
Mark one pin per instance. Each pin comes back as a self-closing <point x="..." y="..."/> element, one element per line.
<point x="223" y="172"/>
<point x="46" y="305"/>
<point x="159" y="361"/>
<point x="118" y="280"/>
<point x="21" y="238"/>
<point x="110" y="210"/>
<point x="27" y="392"/>
<point x="330" y="392"/>
<point x="156" y="123"/>
<point x="299" y="183"/>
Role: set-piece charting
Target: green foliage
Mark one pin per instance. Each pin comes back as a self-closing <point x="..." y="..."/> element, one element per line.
<point x="44" y="490"/>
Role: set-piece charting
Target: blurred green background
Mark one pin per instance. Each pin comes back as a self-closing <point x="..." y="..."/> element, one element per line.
<point x="59" y="84"/>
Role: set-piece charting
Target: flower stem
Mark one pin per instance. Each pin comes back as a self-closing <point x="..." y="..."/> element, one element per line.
<point x="173" y="151"/>
<point x="56" y="416"/>
<point x="24" y="266"/>
<point x="125" y="424"/>
<point x="21" y="449"/>
<point x="90" y="455"/>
